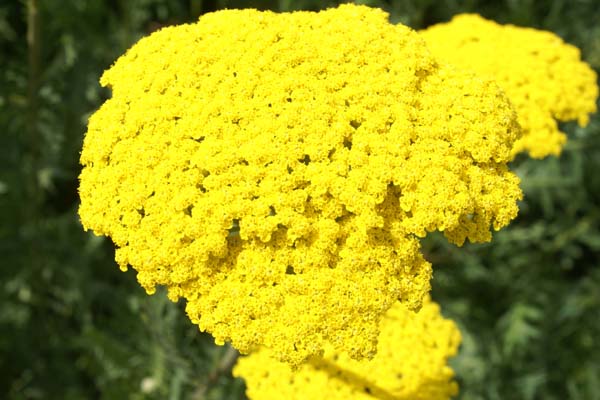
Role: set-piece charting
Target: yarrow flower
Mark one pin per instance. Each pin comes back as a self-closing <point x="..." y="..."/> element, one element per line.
<point x="411" y="363"/>
<point x="543" y="77"/>
<point x="278" y="170"/>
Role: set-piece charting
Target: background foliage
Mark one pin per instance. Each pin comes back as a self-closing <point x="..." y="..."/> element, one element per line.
<point x="72" y="326"/>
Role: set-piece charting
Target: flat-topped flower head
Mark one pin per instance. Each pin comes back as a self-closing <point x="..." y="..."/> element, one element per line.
<point x="411" y="363"/>
<point x="544" y="78"/>
<point x="278" y="170"/>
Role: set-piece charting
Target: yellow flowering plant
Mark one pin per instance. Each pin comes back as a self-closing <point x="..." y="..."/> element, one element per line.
<point x="278" y="170"/>
<point x="544" y="78"/>
<point x="411" y="363"/>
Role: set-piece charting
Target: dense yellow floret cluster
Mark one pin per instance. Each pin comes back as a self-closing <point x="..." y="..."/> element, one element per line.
<point x="543" y="77"/>
<point x="411" y="364"/>
<point x="278" y="170"/>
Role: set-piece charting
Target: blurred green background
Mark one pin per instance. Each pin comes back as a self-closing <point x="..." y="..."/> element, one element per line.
<point x="72" y="326"/>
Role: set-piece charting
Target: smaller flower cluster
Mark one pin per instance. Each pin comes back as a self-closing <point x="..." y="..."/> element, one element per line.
<point x="411" y="363"/>
<point x="543" y="77"/>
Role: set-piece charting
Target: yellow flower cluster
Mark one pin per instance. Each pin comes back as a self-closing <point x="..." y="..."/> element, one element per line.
<point x="543" y="77"/>
<point x="411" y="364"/>
<point x="277" y="171"/>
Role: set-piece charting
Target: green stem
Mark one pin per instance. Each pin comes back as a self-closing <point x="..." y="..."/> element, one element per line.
<point x="33" y="52"/>
<point x="223" y="367"/>
<point x="33" y="46"/>
<point x="32" y="198"/>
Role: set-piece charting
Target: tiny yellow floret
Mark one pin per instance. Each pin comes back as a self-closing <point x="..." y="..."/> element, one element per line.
<point x="411" y="364"/>
<point x="278" y="170"/>
<point x="543" y="77"/>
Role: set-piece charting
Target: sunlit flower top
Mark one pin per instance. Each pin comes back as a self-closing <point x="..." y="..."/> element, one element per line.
<point x="543" y="77"/>
<point x="277" y="170"/>
<point x="411" y="363"/>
